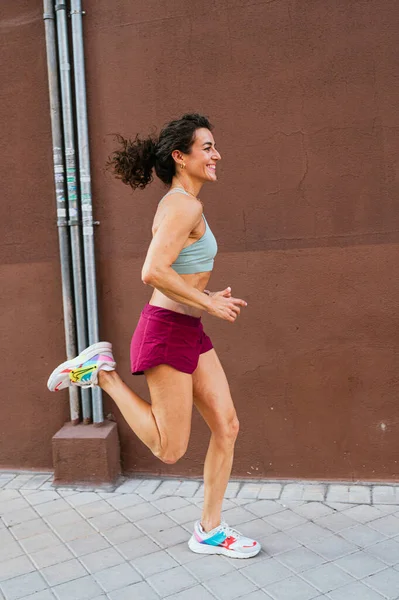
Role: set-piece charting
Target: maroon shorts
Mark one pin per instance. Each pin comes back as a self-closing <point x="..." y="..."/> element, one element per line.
<point x="165" y="337"/>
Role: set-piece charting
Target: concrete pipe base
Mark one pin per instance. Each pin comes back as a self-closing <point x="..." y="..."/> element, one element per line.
<point x="86" y="454"/>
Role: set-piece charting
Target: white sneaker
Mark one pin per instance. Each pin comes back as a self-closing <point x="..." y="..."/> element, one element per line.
<point x="222" y="540"/>
<point x="83" y="370"/>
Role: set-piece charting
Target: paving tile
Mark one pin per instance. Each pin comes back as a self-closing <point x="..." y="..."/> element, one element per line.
<point x="88" y="544"/>
<point x="94" y="509"/>
<point x="128" y="486"/>
<point x="278" y="543"/>
<point x="37" y="481"/>
<point x="22" y="586"/>
<point x="155" y="524"/>
<point x="300" y="559"/>
<point x="292" y="491"/>
<point x="360" y="564"/>
<point x="362" y="535"/>
<point x="51" y="556"/>
<point x="387" y="551"/>
<point x="117" y="577"/>
<point x="169" y="487"/>
<point x="250" y="490"/>
<point x="10" y="550"/>
<point x="108" y="521"/>
<point x="77" y="500"/>
<point x="197" y="592"/>
<point x="270" y="491"/>
<point x="292" y="588"/>
<point x="100" y="560"/>
<point x="122" y="533"/>
<point x="171" y="581"/>
<point x="336" y="522"/>
<point x="385" y="494"/>
<point x="200" y="492"/>
<point x="153" y="563"/>
<point x="208" y="567"/>
<point x="182" y="554"/>
<point x="354" y="591"/>
<point x="232" y="489"/>
<point x="388" y="525"/>
<point x="62" y="572"/>
<point x="308" y="532"/>
<point x="257" y="595"/>
<point x="266" y="572"/>
<point x="18" y="516"/>
<point x="15" y="567"/>
<point x="315" y="492"/>
<point x="170" y="536"/>
<point x="84" y="588"/>
<point x="124" y="500"/>
<point x="360" y="494"/>
<point x="41" y="497"/>
<point x="386" y="583"/>
<point x="148" y="487"/>
<point x="65" y="517"/>
<point x="332" y="547"/>
<point x="327" y="577"/>
<point x="18" y="481"/>
<point x="313" y="510"/>
<point x="74" y="531"/>
<point x="29" y="528"/>
<point x="38" y="542"/>
<point x="188" y="489"/>
<point x="338" y="493"/>
<point x="363" y="513"/>
<point x="139" y="547"/>
<point x="230" y="586"/>
<point x="340" y="506"/>
<point x="42" y="595"/>
<point x="263" y="508"/>
<point x="285" y="520"/>
<point x="140" y="511"/>
<point x="51" y="508"/>
<point x="257" y="529"/>
<point x="136" y="591"/>
<point x="185" y="514"/>
<point x="171" y="503"/>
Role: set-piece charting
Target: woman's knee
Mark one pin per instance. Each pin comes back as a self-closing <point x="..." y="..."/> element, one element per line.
<point x="170" y="455"/>
<point x="227" y="430"/>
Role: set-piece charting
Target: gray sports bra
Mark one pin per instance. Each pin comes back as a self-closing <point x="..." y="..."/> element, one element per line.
<point x="199" y="256"/>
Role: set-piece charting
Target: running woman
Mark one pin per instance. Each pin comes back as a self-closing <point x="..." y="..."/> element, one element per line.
<point x="169" y="344"/>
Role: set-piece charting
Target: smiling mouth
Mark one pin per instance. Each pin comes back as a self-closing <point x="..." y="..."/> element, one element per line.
<point x="212" y="168"/>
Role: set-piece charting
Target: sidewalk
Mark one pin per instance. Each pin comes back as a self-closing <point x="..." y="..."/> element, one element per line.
<point x="335" y="542"/>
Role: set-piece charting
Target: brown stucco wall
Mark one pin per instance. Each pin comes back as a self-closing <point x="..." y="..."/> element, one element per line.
<point x="304" y="98"/>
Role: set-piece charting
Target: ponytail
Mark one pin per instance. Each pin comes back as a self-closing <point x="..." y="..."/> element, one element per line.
<point x="133" y="163"/>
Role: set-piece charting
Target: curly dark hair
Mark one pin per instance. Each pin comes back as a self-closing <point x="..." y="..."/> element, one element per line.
<point x="134" y="162"/>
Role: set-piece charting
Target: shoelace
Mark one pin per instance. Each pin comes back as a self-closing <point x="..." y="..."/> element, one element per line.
<point x="229" y="531"/>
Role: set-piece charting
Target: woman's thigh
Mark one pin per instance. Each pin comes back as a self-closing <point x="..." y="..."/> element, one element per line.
<point x="212" y="395"/>
<point x="172" y="403"/>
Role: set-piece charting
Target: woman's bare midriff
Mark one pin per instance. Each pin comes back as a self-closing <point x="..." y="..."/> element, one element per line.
<point x="196" y="280"/>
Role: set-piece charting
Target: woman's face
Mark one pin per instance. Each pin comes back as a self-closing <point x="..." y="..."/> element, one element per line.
<point x="201" y="162"/>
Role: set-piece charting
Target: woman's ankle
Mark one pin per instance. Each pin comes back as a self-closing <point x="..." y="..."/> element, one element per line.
<point x="209" y="524"/>
<point x="105" y="378"/>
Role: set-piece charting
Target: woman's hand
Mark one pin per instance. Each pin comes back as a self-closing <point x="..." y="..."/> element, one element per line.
<point x="225" y="307"/>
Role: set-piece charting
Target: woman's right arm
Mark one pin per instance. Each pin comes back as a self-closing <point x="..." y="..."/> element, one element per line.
<point x="173" y="232"/>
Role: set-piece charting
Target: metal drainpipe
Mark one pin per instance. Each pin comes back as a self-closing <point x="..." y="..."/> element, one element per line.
<point x="77" y="262"/>
<point x="85" y="187"/>
<point x="59" y="179"/>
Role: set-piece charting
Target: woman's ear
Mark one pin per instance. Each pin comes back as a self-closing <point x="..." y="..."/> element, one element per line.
<point x="177" y="156"/>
